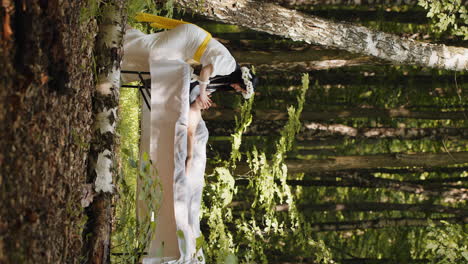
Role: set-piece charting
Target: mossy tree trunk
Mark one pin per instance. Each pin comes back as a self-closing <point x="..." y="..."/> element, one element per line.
<point x="45" y="116"/>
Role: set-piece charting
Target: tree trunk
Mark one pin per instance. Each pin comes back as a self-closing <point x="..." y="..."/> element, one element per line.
<point x="272" y="114"/>
<point x="280" y="56"/>
<point x="313" y="131"/>
<point x="382" y="261"/>
<point x="424" y="160"/>
<point x="287" y="260"/>
<point x="314" y="65"/>
<point x="364" y="15"/>
<point x="350" y="77"/>
<point x="458" y="170"/>
<point x="383" y="223"/>
<point x="379" y="207"/>
<point x="277" y="20"/>
<point x="402" y="133"/>
<point x="418" y="186"/>
<point x="371" y="3"/>
<point x="451" y="193"/>
<point x="102" y="153"/>
<point x="45" y="115"/>
<point x="363" y="207"/>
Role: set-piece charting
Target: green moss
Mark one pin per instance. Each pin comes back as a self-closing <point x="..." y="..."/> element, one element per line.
<point x="89" y="11"/>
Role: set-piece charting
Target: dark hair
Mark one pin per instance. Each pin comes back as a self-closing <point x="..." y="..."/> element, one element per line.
<point x="223" y="82"/>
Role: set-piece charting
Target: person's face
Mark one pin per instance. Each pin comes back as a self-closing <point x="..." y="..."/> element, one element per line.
<point x="237" y="87"/>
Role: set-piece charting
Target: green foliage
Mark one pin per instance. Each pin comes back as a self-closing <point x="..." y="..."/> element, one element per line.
<point x="254" y="235"/>
<point x="242" y="124"/>
<point x="447" y="244"/>
<point x="447" y="15"/>
<point x="90" y="10"/>
<point x="136" y="6"/>
<point x="149" y="6"/>
<point x="218" y="195"/>
<point x="130" y="235"/>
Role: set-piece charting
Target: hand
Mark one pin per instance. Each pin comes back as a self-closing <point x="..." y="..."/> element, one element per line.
<point x="204" y="101"/>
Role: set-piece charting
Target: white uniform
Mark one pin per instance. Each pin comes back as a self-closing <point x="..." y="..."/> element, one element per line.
<point x="179" y="43"/>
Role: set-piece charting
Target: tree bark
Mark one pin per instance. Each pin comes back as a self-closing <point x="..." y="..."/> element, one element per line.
<point x="424" y="160"/>
<point x="363" y="15"/>
<point x="403" y="133"/>
<point x="313" y="131"/>
<point x="379" y="207"/>
<point x="280" y="56"/>
<point x="349" y="77"/>
<point x="105" y="106"/>
<point x="363" y="207"/>
<point x="272" y="114"/>
<point x="458" y="170"/>
<point x="381" y="261"/>
<point x="371" y="3"/>
<point x="287" y="260"/>
<point x="277" y="20"/>
<point x="45" y="117"/>
<point x="417" y="186"/>
<point x="355" y="261"/>
<point x="314" y="65"/>
<point x="383" y="223"/>
<point x="451" y="193"/>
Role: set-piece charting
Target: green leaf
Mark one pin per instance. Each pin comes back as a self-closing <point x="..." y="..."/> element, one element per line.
<point x="180" y="234"/>
<point x="231" y="259"/>
<point x="145" y="156"/>
<point x="126" y="151"/>
<point x="431" y="245"/>
<point x="366" y="94"/>
<point x="132" y="163"/>
<point x="200" y="241"/>
<point x="465" y="255"/>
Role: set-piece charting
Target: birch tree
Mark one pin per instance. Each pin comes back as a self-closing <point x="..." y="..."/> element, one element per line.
<point x="102" y="156"/>
<point x="346" y="2"/>
<point x="273" y="114"/>
<point x="314" y="130"/>
<point x="274" y="19"/>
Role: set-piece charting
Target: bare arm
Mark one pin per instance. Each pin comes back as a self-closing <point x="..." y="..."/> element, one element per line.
<point x="194" y="119"/>
<point x="205" y="74"/>
<point x="202" y="102"/>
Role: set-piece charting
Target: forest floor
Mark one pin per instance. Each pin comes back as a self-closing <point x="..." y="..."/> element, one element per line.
<point x="45" y="110"/>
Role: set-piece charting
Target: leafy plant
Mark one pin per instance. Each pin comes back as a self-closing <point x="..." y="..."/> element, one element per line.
<point x="131" y="236"/>
<point x="218" y="195"/>
<point x="447" y="15"/>
<point x="447" y="244"/>
<point x="256" y="233"/>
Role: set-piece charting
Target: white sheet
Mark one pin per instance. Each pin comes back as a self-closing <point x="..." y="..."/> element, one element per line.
<point x="167" y="142"/>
